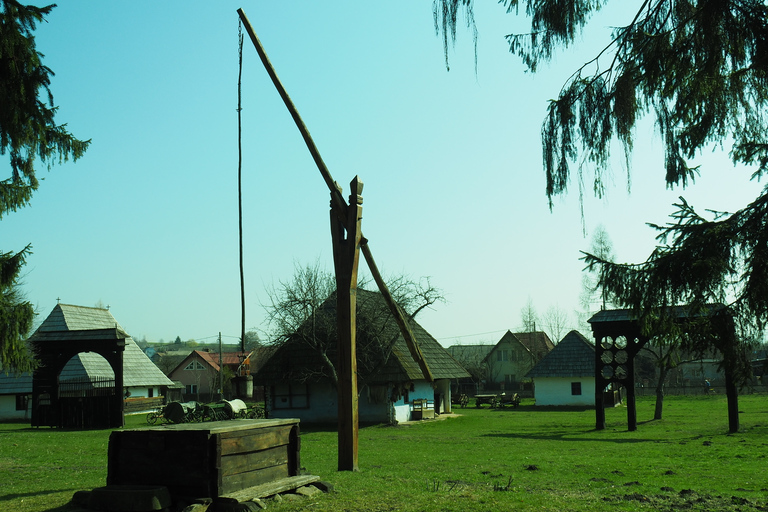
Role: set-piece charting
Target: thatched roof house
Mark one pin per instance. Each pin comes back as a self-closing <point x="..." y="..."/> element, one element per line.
<point x="300" y="375"/>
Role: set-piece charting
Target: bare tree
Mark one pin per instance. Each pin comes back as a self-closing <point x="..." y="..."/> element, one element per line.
<point x="473" y="359"/>
<point x="555" y="323"/>
<point x="666" y="354"/>
<point x="592" y="293"/>
<point x="529" y="316"/>
<point x="302" y="311"/>
<point x="291" y="312"/>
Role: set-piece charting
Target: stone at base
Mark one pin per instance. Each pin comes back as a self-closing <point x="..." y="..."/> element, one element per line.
<point x="308" y="490"/>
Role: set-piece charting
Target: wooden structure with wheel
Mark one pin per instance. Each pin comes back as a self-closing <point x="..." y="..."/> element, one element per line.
<point x="619" y="336"/>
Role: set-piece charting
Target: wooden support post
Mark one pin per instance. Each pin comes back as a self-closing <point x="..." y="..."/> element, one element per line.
<point x="630" y="387"/>
<point x="346" y="234"/>
<point x="600" y="384"/>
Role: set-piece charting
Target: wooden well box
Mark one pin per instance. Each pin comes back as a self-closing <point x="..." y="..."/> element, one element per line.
<point x="205" y="459"/>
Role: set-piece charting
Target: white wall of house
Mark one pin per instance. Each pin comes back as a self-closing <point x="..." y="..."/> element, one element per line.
<point x="144" y="391"/>
<point x="8" y="410"/>
<point x="560" y="391"/>
<point x="318" y="403"/>
<point x="401" y="411"/>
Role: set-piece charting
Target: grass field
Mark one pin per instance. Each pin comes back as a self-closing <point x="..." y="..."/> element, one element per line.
<point x="514" y="459"/>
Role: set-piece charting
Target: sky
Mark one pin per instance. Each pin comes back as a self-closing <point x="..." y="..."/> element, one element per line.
<point x="147" y="221"/>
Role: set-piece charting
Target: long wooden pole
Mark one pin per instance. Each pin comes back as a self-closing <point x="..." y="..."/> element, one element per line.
<point x="337" y="200"/>
<point x="336" y="197"/>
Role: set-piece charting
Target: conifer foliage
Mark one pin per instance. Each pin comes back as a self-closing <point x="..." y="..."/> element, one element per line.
<point x="699" y="69"/>
<point x="28" y="136"/>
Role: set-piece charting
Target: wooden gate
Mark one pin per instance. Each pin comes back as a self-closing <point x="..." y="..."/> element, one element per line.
<point x="86" y="403"/>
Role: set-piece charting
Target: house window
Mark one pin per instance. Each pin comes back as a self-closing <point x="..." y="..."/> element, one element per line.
<point x="194" y="365"/>
<point x="191" y="389"/>
<point x="21" y="402"/>
<point x="502" y="355"/>
<point x="290" y="396"/>
<point x="575" y="388"/>
<point x="150" y="392"/>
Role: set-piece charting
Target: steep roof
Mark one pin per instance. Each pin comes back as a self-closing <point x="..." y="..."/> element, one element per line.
<point x="537" y="342"/>
<point x="474" y="353"/>
<point x="66" y="317"/>
<point x="211" y="358"/>
<point x="383" y="355"/>
<point x="574" y="356"/>
<point x="138" y="369"/>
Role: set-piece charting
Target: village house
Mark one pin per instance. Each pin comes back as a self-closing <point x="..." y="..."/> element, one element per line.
<point x="566" y="375"/>
<point x="199" y="373"/>
<point x="15" y="396"/>
<point x="511" y="359"/>
<point x="392" y="388"/>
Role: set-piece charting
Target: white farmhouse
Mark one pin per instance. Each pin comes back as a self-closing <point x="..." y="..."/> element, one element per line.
<point x="566" y="375"/>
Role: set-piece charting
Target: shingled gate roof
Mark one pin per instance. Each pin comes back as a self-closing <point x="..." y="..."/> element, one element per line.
<point x="294" y="357"/>
<point x="138" y="369"/>
<point x="574" y="356"/>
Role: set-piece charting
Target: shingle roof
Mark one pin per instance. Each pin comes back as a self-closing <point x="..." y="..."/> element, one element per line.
<point x="377" y="331"/>
<point x="470" y="352"/>
<point x="138" y="369"/>
<point x="537" y="342"/>
<point x="66" y="317"/>
<point x="572" y="357"/>
<point x="15" y="384"/>
<point x="679" y="312"/>
<point x="209" y="357"/>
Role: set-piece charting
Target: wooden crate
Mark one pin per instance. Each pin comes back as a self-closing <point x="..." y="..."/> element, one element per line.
<point x="205" y="459"/>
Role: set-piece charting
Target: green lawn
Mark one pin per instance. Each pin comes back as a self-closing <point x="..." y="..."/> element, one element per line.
<point x="523" y="459"/>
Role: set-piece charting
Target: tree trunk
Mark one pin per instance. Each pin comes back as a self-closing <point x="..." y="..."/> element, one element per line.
<point x="660" y="392"/>
<point x="732" y="393"/>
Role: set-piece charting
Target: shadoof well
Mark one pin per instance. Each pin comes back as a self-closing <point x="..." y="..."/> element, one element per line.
<point x="348" y="242"/>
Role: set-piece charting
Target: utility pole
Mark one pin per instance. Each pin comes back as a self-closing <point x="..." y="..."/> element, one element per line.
<point x="221" y="371"/>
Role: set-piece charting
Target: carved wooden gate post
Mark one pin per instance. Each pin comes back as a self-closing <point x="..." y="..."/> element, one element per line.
<point x="346" y="234"/>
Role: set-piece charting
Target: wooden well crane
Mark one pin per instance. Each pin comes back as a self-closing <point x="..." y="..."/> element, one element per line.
<point x="348" y="242"/>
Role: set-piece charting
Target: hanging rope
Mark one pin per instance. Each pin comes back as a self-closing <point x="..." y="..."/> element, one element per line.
<point x="240" y="180"/>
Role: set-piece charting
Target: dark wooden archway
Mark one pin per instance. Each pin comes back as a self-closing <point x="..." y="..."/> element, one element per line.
<point x="53" y="350"/>
<point x="618" y="339"/>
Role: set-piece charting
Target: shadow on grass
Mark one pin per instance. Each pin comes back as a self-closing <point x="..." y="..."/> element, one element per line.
<point x="22" y="495"/>
<point x="29" y="430"/>
<point x="567" y="435"/>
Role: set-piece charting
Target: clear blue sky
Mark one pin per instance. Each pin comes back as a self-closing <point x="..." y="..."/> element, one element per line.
<point x="146" y="222"/>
